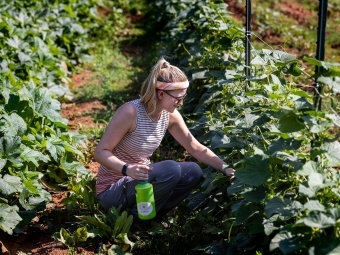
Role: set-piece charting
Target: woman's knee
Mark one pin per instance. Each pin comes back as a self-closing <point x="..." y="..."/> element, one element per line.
<point x="168" y="170"/>
<point x="174" y="169"/>
<point x="196" y="170"/>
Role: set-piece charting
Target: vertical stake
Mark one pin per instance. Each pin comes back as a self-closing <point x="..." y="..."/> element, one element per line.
<point x="248" y="38"/>
<point x="320" y="51"/>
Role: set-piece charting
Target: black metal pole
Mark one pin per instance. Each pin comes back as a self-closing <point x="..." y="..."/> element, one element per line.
<point x="248" y="38"/>
<point x="320" y="50"/>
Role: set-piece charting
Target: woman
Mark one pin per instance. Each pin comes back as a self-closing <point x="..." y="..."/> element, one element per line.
<point x="135" y="132"/>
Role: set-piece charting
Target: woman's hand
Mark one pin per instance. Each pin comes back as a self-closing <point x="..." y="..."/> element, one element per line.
<point x="138" y="171"/>
<point x="229" y="172"/>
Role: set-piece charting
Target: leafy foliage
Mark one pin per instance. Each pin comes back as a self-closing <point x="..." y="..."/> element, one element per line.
<point x="285" y="194"/>
<point x="36" y="146"/>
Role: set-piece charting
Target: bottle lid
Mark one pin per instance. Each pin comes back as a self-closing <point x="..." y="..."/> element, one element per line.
<point x="143" y="181"/>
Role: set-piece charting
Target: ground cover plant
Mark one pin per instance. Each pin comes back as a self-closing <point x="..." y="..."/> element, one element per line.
<point x="285" y="197"/>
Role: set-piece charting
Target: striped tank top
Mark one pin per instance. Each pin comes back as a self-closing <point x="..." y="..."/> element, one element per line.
<point x="136" y="146"/>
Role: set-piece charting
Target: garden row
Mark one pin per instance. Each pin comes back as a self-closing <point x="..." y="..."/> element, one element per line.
<point x="39" y="39"/>
<point x="285" y="197"/>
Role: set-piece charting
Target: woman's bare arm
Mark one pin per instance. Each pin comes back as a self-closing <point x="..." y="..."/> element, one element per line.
<point x="181" y="133"/>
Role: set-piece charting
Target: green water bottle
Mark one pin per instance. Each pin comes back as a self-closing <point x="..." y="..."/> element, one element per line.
<point x="145" y="200"/>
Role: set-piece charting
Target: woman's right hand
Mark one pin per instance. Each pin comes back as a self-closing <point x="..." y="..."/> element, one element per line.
<point x="138" y="171"/>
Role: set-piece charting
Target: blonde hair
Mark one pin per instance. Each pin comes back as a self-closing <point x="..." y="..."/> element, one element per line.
<point x="161" y="71"/>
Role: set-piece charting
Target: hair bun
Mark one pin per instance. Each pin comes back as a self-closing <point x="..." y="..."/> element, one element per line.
<point x="165" y="64"/>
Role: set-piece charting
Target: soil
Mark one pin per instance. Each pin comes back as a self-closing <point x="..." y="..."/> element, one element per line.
<point x="37" y="239"/>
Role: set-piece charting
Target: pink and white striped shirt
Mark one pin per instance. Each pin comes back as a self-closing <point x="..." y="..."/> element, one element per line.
<point x="136" y="146"/>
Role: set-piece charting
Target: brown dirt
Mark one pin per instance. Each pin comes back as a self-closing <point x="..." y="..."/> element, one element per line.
<point x="297" y="12"/>
<point x="290" y="9"/>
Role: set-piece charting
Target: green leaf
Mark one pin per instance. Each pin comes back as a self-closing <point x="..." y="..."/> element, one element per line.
<point x="96" y="222"/>
<point x="31" y="201"/>
<point x="303" y="104"/>
<point x="321" y="126"/>
<point x="307" y="191"/>
<point x="222" y="141"/>
<point x="318" y="220"/>
<point x="284" y="144"/>
<point x="277" y="206"/>
<point x="315" y="180"/>
<point x="250" y="119"/>
<point x="245" y="212"/>
<point x="308" y="168"/>
<point x="256" y="194"/>
<point x="43" y="103"/>
<point x="196" y="200"/>
<point x="24" y="58"/>
<point x="290" y="123"/>
<point x="55" y="147"/>
<point x="258" y="61"/>
<point x="332" y="82"/>
<point x="2" y="163"/>
<point x="314" y="205"/>
<point x="332" y="248"/>
<point x="10" y="184"/>
<point x="269" y="224"/>
<point x="29" y="155"/>
<point x="236" y="187"/>
<point x="283" y="56"/>
<point x="10" y="148"/>
<point x="293" y="244"/>
<point x="80" y="235"/>
<point x="73" y="168"/>
<point x="256" y="171"/>
<point x="335" y="118"/>
<point x="66" y="238"/>
<point x="200" y="74"/>
<point x="9" y="218"/>
<point x="14" y="42"/>
<point x="332" y="154"/>
<point x="12" y="125"/>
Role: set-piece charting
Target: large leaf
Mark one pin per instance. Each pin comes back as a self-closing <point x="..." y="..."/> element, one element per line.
<point x="332" y="153"/>
<point x="314" y="205"/>
<point x="41" y="101"/>
<point x="73" y="168"/>
<point x="332" y="82"/>
<point x="10" y="184"/>
<point x="12" y="125"/>
<point x="318" y="220"/>
<point x="284" y="144"/>
<point x="308" y="168"/>
<point x="9" y="218"/>
<point x="283" y="208"/>
<point x="10" y="149"/>
<point x="31" y="201"/>
<point x="196" y="200"/>
<point x="293" y="244"/>
<point x="29" y="155"/>
<point x="256" y="171"/>
<point x="222" y="141"/>
<point x="256" y="194"/>
<point x="245" y="212"/>
<point x="290" y="123"/>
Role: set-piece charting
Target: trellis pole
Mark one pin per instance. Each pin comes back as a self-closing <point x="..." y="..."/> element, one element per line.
<point x="248" y="38"/>
<point x="320" y="50"/>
